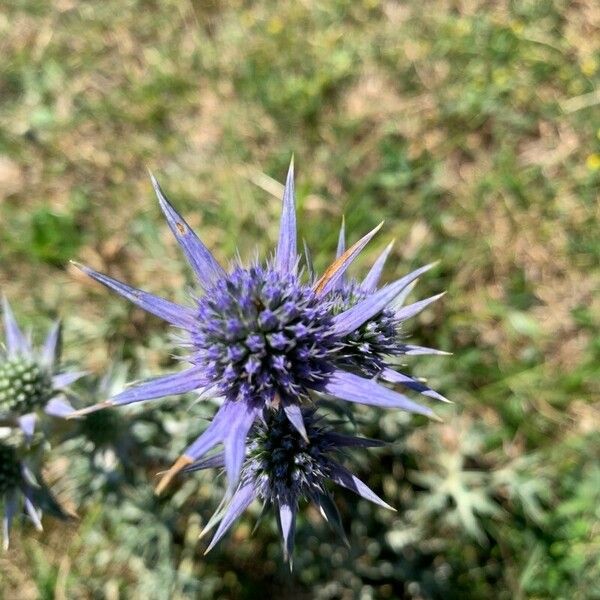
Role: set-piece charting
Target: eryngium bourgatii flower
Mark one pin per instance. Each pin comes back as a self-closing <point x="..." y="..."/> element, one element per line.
<point x="31" y="379"/>
<point x="283" y="468"/>
<point x="370" y="348"/>
<point x="259" y="337"/>
<point x="18" y="483"/>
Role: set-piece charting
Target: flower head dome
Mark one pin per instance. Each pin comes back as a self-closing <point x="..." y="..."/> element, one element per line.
<point x="282" y="469"/>
<point x="31" y="380"/>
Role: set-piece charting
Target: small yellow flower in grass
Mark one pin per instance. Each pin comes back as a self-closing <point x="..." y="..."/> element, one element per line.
<point x="275" y="26"/>
<point x="589" y="66"/>
<point x="592" y="162"/>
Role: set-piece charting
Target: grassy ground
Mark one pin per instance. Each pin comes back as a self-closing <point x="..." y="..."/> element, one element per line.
<point x="472" y="128"/>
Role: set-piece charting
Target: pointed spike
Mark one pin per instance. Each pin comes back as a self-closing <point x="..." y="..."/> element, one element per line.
<point x="210" y="462"/>
<point x="341" y="246"/>
<point x="331" y="514"/>
<point x="63" y="380"/>
<point x="370" y="282"/>
<point x="90" y="409"/>
<point x="411" y="350"/>
<point x="294" y="414"/>
<point x="27" y="424"/>
<point x="51" y="350"/>
<point x="335" y="271"/>
<point x="309" y="262"/>
<point x="345" y="478"/>
<point x="16" y="342"/>
<point x="350" y="441"/>
<point x="237" y="427"/>
<point x="237" y="505"/>
<point x="33" y="513"/>
<point x="286" y="253"/>
<point x="351" y="319"/>
<point x="396" y="377"/>
<point x="180" y="316"/>
<point x="263" y="512"/>
<point x="180" y="464"/>
<point x="398" y="302"/>
<point x="190" y="380"/>
<point x="207" y="269"/>
<point x="352" y="388"/>
<point x="214" y="434"/>
<point x="215" y="518"/>
<point x="287" y="519"/>
<point x="59" y="406"/>
<point x="412" y="310"/>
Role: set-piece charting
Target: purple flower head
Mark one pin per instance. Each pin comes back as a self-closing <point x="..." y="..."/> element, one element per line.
<point x="31" y="380"/>
<point x="369" y="348"/>
<point x="18" y="482"/>
<point x="283" y="468"/>
<point x="259" y="336"/>
<point x="262" y="337"/>
<point x="366" y="348"/>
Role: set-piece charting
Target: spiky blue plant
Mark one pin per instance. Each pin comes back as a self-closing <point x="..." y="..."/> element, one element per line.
<point x="259" y="337"/>
<point x="372" y="348"/>
<point x="19" y="484"/>
<point x="282" y="469"/>
<point x="31" y="380"/>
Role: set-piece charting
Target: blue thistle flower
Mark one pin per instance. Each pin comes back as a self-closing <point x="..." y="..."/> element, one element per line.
<point x="259" y="337"/>
<point x="31" y="380"/>
<point x="17" y="482"/>
<point x="261" y="333"/>
<point x="283" y="468"/>
<point x="370" y="348"/>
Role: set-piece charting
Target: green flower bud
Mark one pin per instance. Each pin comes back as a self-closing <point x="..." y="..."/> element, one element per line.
<point x="24" y="386"/>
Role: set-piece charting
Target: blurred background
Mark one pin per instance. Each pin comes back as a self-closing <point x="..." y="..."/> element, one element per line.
<point x="471" y="127"/>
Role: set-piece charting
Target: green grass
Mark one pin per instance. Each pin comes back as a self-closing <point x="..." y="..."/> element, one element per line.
<point x="473" y="130"/>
